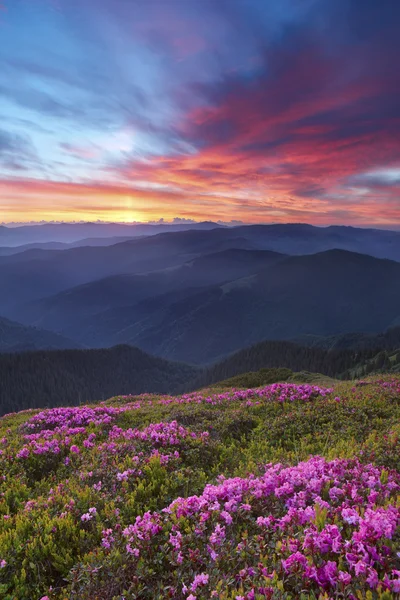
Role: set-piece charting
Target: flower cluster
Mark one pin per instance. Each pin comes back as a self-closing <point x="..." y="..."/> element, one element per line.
<point x="151" y="497"/>
<point x="319" y="526"/>
<point x="162" y="434"/>
<point x="280" y="392"/>
<point x="78" y="416"/>
<point x="51" y="431"/>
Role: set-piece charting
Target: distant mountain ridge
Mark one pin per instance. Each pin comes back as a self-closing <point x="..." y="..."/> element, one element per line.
<point x="37" y="273"/>
<point x="106" y="241"/>
<point x="324" y="294"/>
<point x="197" y="295"/>
<point x="216" y="304"/>
<point x="73" y="232"/>
<point x="302" y="236"/>
<point x="15" y="337"/>
<point x="66" y="310"/>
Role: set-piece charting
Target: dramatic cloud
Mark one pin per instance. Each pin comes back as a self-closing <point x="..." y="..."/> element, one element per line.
<point x="231" y="110"/>
<point x="16" y="151"/>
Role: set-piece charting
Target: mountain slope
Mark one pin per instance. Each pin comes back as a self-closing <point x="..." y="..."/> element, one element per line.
<point x="69" y="310"/>
<point x="284" y="355"/>
<point x="37" y="273"/>
<point x="324" y="294"/>
<point x="37" y="379"/>
<point x="387" y="340"/>
<point x="15" y="337"/>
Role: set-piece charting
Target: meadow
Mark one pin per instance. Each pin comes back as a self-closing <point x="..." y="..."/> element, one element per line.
<point x="288" y="491"/>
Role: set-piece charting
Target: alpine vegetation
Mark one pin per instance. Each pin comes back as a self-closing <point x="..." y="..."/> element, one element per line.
<point x="281" y="492"/>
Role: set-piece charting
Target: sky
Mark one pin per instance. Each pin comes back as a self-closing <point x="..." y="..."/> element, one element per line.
<point x="231" y="110"/>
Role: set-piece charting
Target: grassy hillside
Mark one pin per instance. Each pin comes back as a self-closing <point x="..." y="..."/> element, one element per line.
<point x="253" y="494"/>
<point x="263" y="377"/>
<point x="254" y="379"/>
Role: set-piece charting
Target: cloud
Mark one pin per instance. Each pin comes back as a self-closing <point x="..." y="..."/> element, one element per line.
<point x="379" y="178"/>
<point x="34" y="199"/>
<point x="237" y="111"/>
<point x="294" y="133"/>
<point x="180" y="220"/>
<point x="81" y="152"/>
<point x="17" y="152"/>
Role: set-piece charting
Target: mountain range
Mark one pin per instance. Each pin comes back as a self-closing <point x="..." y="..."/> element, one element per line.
<point x="38" y="272"/>
<point x="106" y="241"/>
<point x="199" y="295"/>
<point x="94" y="305"/>
<point x="67" y="233"/>
<point x="217" y="304"/>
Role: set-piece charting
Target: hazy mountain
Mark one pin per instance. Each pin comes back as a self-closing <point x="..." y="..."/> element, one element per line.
<point x="199" y="307"/>
<point x="10" y="250"/>
<point x="324" y="294"/>
<point x="37" y="273"/>
<point x="15" y="337"/>
<point x="301" y="239"/>
<point x="72" y="232"/>
<point x="192" y="295"/>
<point x="69" y="310"/>
<point x="109" y="241"/>
<point x="292" y="238"/>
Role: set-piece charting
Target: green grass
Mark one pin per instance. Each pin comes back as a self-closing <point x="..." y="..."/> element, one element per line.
<point x="42" y="548"/>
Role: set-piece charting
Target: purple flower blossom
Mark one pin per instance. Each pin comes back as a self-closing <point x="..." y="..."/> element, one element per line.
<point x="199" y="580"/>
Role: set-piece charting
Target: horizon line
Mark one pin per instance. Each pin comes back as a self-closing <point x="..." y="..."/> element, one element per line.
<point x="177" y="221"/>
<point x="11" y="224"/>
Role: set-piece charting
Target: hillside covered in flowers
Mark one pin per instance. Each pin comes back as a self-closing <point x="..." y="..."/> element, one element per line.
<point x="289" y="491"/>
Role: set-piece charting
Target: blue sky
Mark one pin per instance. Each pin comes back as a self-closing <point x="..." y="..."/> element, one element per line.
<point x="228" y="109"/>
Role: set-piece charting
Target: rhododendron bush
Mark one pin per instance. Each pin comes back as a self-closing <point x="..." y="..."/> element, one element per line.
<point x="319" y="526"/>
<point x="287" y="491"/>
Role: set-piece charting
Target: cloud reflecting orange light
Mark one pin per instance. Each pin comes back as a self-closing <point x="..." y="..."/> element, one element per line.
<point x="300" y="122"/>
<point x="25" y="200"/>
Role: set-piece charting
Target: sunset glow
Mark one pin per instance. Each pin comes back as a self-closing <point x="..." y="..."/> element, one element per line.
<point x="243" y="110"/>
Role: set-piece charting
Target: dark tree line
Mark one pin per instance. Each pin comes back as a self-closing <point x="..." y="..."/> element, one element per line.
<point x="70" y="377"/>
<point x="276" y="354"/>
